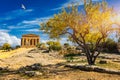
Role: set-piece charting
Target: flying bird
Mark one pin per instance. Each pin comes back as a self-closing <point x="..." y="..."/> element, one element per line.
<point x="23" y="7"/>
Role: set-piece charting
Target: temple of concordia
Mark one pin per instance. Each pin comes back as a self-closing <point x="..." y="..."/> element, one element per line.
<point x="29" y="40"/>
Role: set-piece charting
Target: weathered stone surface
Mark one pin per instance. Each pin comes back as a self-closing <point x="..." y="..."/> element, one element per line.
<point x="33" y="67"/>
<point x="32" y="70"/>
<point x="34" y="51"/>
<point x="32" y="73"/>
<point x="94" y="68"/>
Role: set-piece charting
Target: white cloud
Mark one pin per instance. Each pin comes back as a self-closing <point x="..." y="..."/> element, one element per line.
<point x="15" y="14"/>
<point x="30" y="23"/>
<point x="32" y="30"/>
<point x="17" y="27"/>
<point x="4" y="30"/>
<point x="70" y="2"/>
<point x="62" y="40"/>
<point x="36" y="21"/>
<point x="6" y="38"/>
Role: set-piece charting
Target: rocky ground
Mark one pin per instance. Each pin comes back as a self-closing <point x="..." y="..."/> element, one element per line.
<point x="58" y="72"/>
<point x="32" y="64"/>
<point x="28" y="57"/>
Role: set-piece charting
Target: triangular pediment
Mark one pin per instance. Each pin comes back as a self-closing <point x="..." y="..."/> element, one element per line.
<point x="30" y="35"/>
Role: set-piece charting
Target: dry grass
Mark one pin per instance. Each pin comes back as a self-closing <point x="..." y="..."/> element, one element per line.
<point x="110" y="65"/>
<point x="8" y="54"/>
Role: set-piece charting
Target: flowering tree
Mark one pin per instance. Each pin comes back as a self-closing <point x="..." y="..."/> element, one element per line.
<point x="88" y="28"/>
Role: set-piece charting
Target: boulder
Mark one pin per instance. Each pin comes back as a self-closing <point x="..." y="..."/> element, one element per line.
<point x="33" y="67"/>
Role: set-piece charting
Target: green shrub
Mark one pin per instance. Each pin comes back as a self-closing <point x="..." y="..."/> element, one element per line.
<point x="6" y="47"/>
<point x="41" y="46"/>
<point x="18" y="46"/>
<point x="55" y="46"/>
<point x="110" y="46"/>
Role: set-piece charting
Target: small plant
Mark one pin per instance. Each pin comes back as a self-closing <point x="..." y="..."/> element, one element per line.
<point x="18" y="46"/>
<point x="6" y="47"/>
<point x="69" y="59"/>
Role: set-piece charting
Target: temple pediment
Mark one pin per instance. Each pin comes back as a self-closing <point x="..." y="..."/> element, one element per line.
<point x="30" y="35"/>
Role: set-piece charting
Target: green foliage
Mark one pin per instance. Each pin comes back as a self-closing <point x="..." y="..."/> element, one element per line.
<point x="18" y="46"/>
<point x="66" y="45"/>
<point x="119" y="40"/>
<point x="56" y="46"/>
<point x="41" y="46"/>
<point x="6" y="47"/>
<point x="110" y="46"/>
<point x="69" y="59"/>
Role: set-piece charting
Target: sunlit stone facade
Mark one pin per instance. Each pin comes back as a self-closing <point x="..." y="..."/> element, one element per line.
<point x="29" y="40"/>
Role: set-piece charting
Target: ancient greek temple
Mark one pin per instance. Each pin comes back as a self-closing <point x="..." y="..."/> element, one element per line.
<point x="29" y="40"/>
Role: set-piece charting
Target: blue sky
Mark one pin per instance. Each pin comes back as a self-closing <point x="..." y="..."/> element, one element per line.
<point x="15" y="21"/>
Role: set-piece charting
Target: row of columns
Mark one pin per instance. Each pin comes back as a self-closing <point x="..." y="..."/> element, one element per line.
<point x="26" y="42"/>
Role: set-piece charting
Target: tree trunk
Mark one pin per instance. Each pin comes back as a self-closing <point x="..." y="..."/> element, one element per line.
<point x="91" y="59"/>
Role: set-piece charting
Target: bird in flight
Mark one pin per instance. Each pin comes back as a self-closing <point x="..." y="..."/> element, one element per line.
<point x="23" y="7"/>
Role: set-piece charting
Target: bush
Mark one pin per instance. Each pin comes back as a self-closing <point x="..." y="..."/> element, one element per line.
<point x="18" y="46"/>
<point x="66" y="45"/>
<point x="41" y="46"/>
<point x="55" y="46"/>
<point x="110" y="46"/>
<point x="6" y="47"/>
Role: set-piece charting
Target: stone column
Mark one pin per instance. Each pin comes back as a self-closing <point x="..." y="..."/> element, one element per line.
<point x="36" y="42"/>
<point x="30" y="42"/>
<point x="24" y="41"/>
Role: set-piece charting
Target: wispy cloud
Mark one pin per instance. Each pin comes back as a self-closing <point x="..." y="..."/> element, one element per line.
<point x="33" y="23"/>
<point x="62" y="40"/>
<point x="4" y="30"/>
<point x="36" y="21"/>
<point x="15" y="14"/>
<point x="71" y="2"/>
<point x="32" y="30"/>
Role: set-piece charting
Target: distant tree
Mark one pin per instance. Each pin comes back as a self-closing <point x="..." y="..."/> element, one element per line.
<point x="110" y="46"/>
<point x="66" y="45"/>
<point x="88" y="28"/>
<point x="54" y="45"/>
<point x="18" y="46"/>
<point x="6" y="47"/>
<point x="41" y="46"/>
